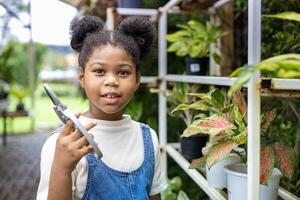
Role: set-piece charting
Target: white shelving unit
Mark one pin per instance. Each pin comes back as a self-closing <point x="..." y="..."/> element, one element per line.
<point x="254" y="43"/>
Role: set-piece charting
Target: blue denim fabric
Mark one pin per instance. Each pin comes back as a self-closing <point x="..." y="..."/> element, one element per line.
<point x="105" y="183"/>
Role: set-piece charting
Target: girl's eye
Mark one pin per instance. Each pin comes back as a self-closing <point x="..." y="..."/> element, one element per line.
<point x="123" y="73"/>
<point x="99" y="71"/>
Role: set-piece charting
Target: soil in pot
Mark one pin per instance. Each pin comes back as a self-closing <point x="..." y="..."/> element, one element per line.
<point x="191" y="147"/>
<point x="237" y="183"/>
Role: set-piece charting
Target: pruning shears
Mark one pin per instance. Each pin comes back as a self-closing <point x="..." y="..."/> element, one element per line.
<point x="64" y="114"/>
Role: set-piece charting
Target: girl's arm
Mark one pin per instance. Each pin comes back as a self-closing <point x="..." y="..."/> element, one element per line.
<point x="71" y="146"/>
<point x="155" y="197"/>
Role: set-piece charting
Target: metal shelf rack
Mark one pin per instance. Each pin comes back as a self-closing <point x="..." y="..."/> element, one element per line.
<point x="253" y="90"/>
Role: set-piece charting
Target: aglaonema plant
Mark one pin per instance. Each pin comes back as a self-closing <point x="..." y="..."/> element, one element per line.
<point x="227" y="127"/>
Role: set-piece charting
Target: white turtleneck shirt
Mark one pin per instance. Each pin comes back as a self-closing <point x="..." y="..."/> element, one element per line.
<point x="121" y="143"/>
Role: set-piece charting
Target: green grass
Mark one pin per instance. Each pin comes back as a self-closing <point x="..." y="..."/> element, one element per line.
<point x="44" y="115"/>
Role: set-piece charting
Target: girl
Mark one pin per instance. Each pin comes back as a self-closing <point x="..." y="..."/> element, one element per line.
<point x="109" y="74"/>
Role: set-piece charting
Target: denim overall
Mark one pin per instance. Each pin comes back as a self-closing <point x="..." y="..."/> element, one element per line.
<point x="105" y="183"/>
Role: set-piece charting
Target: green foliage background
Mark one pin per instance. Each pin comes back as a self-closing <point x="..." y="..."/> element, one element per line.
<point x="14" y="62"/>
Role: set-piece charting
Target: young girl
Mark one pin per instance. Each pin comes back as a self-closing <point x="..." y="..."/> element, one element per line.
<point x="109" y="74"/>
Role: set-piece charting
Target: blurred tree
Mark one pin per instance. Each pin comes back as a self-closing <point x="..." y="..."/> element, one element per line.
<point x="12" y="10"/>
<point x="14" y="61"/>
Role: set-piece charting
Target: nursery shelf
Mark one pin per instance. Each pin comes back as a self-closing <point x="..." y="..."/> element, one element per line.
<point x="281" y="84"/>
<point x="149" y="79"/>
<point x="194" y="174"/>
<point x="136" y="11"/>
<point x="201" y="181"/>
<point x="208" y="80"/>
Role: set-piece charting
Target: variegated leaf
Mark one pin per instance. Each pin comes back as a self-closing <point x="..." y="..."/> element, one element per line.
<point x="241" y="138"/>
<point x="190" y="131"/>
<point x="217" y="98"/>
<point x="239" y="100"/>
<point x="267" y="162"/>
<point x="238" y="118"/>
<point x="285" y="160"/>
<point x="218" y="137"/>
<point x="213" y="125"/>
<point x="198" y="163"/>
<point x="268" y="118"/>
<point x="219" y="152"/>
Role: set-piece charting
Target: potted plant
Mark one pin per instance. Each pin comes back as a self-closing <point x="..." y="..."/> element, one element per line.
<point x="193" y="42"/>
<point x="275" y="160"/>
<point x="177" y="98"/>
<point x="19" y="92"/>
<point x="229" y="131"/>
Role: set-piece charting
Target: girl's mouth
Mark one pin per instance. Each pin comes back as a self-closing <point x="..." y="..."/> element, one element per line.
<point x="110" y="98"/>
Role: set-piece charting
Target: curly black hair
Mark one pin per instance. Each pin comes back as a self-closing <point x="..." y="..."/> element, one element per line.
<point x="135" y="35"/>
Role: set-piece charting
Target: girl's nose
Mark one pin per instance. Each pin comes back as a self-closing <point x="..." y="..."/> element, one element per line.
<point x="111" y="81"/>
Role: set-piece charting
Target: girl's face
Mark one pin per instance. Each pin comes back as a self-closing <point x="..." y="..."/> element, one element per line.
<point x="109" y="80"/>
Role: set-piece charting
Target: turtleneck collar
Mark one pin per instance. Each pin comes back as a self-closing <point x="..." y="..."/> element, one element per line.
<point x="111" y="126"/>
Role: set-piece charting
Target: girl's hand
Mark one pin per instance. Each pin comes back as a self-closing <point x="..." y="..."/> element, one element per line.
<point x="71" y="146"/>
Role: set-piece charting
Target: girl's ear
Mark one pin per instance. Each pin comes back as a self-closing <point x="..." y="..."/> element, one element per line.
<point x="81" y="77"/>
<point x="138" y="81"/>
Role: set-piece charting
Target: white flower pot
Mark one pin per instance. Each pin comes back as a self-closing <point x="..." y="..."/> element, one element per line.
<point x="237" y="183"/>
<point x="216" y="176"/>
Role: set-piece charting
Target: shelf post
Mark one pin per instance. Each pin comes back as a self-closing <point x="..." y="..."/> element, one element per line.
<point x="254" y="56"/>
<point x="162" y="71"/>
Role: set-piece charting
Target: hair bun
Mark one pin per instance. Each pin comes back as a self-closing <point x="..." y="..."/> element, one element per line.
<point x="81" y="28"/>
<point x="142" y="31"/>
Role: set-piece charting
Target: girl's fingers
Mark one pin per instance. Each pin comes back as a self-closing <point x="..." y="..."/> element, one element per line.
<point x="85" y="150"/>
<point x="68" y="128"/>
<point x="76" y="134"/>
<point x="81" y="142"/>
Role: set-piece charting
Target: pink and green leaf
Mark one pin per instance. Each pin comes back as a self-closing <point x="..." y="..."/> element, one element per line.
<point x="267" y="162"/>
<point x="239" y="100"/>
<point x="268" y="118"/>
<point x="190" y="131"/>
<point x="285" y="159"/>
<point x="198" y="163"/>
<point x="218" y="137"/>
<point x="210" y="126"/>
<point x="219" y="152"/>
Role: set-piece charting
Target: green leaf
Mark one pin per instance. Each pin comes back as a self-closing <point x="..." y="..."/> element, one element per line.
<point x="267" y="162"/>
<point x="175" y="183"/>
<point x="182" y="196"/>
<point x="286" y="15"/>
<point x="238" y="118"/>
<point x="285" y="160"/>
<point x="216" y="58"/>
<point x="243" y="77"/>
<point x="219" y="152"/>
<point x="217" y="98"/>
<point x="240" y="138"/>
<point x="236" y="72"/>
